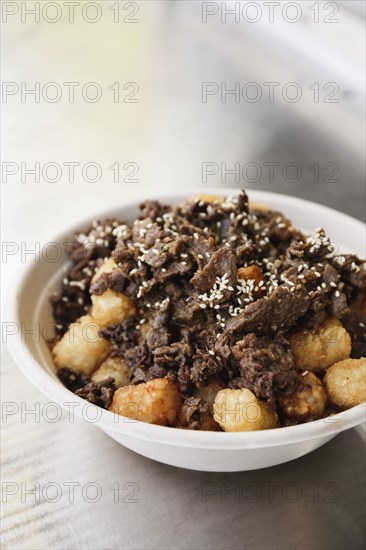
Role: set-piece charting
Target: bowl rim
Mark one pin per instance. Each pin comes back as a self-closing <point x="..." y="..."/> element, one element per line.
<point x="51" y="387"/>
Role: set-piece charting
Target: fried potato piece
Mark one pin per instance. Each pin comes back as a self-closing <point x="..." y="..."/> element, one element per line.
<point x="108" y="266"/>
<point x="307" y="401"/>
<point x="156" y="402"/>
<point x="258" y="206"/>
<point x="209" y="392"/>
<point x="253" y="273"/>
<point x="317" y="349"/>
<point x="81" y="348"/>
<point x="111" y="307"/>
<point x="241" y="411"/>
<point x="211" y="199"/>
<point x="116" y="368"/>
<point x="345" y="383"/>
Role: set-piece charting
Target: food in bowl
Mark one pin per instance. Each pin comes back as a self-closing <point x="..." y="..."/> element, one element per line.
<point x="215" y="314"/>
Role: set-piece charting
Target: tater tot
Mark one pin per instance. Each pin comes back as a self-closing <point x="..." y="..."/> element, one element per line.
<point x="111" y="307"/>
<point x="116" y="368"/>
<point x="208" y="198"/>
<point x="156" y="402"/>
<point x="258" y="206"/>
<point x="307" y="401"/>
<point x="208" y="393"/>
<point x="253" y="273"/>
<point x="107" y="267"/>
<point x="317" y="349"/>
<point x="345" y="383"/>
<point x="241" y="411"/>
<point x="81" y="348"/>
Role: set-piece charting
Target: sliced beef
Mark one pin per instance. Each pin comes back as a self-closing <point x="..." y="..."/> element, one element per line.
<point x="266" y="366"/>
<point x="98" y="393"/>
<point x="279" y="310"/>
<point x="353" y="271"/>
<point x="355" y="324"/>
<point x="152" y="210"/>
<point x="204" y="365"/>
<point x="72" y="380"/>
<point x="221" y="263"/>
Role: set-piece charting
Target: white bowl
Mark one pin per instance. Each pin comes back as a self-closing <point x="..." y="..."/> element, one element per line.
<point x="196" y="450"/>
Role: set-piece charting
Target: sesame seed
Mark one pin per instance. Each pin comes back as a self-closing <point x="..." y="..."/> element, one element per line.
<point x="79" y="284"/>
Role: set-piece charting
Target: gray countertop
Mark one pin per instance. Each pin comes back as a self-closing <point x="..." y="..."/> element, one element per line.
<point x="68" y="485"/>
<point x="316" y="502"/>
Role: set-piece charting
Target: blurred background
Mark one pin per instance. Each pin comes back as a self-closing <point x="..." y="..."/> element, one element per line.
<point x="160" y="110"/>
<point x="105" y="100"/>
